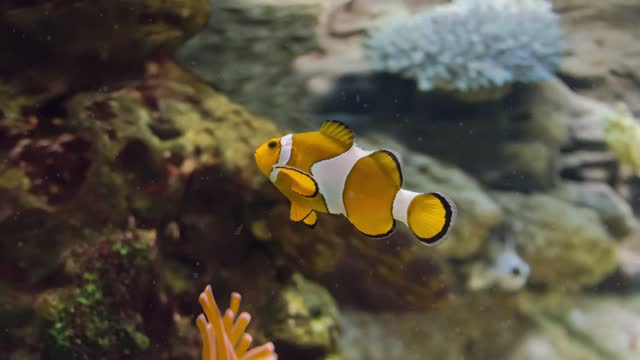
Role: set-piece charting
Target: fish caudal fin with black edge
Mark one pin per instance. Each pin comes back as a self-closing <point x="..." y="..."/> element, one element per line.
<point x="429" y="216"/>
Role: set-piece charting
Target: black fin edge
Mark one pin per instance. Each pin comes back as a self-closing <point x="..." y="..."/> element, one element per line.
<point x="397" y="161"/>
<point x="379" y="236"/>
<point x="336" y="122"/>
<point x="304" y="217"/>
<point x="327" y="122"/>
<point x="449" y="217"/>
<point x="312" y="226"/>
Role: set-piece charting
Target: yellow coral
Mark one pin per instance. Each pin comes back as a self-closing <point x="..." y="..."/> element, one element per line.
<point x="622" y="134"/>
<point x="223" y="338"/>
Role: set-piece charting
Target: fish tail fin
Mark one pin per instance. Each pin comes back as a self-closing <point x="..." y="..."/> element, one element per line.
<point x="429" y="216"/>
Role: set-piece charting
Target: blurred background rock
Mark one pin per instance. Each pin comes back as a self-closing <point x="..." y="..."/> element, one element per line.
<point x="127" y="183"/>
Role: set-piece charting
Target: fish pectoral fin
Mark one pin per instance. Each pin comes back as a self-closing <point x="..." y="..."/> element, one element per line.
<point x="311" y="220"/>
<point x="299" y="212"/>
<point x="339" y="132"/>
<point x="390" y="165"/>
<point x="301" y="182"/>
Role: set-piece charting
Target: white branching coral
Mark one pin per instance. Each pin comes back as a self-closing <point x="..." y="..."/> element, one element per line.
<point x="471" y="45"/>
<point x="223" y="337"/>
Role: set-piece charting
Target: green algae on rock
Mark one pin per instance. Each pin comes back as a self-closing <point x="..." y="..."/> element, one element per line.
<point x="125" y="146"/>
<point x="167" y="134"/>
<point x="193" y="145"/>
<point x="155" y="133"/>
<point x="100" y="315"/>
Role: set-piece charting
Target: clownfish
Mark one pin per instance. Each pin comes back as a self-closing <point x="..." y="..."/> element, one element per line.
<point x="325" y="171"/>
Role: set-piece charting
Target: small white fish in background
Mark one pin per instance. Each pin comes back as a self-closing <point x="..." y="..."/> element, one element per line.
<point x="506" y="269"/>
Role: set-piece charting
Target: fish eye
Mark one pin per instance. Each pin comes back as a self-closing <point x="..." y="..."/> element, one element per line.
<point x="272" y="144"/>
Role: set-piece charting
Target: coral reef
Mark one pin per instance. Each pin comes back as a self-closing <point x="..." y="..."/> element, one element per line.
<point x="471" y="45"/>
<point x="167" y="135"/>
<point x="223" y="335"/>
<point x="113" y="153"/>
<point x="147" y="149"/>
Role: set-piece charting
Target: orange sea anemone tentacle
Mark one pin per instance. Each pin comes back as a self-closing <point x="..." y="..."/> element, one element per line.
<point x="223" y="337"/>
<point x="239" y="327"/>
<point x="261" y="352"/>
<point x="243" y="345"/>
<point x="235" y="303"/>
<point x="227" y="321"/>
<point x="206" y="339"/>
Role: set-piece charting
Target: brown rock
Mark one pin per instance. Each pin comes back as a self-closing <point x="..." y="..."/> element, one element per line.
<point x="57" y="46"/>
<point x="567" y="247"/>
<point x="596" y="63"/>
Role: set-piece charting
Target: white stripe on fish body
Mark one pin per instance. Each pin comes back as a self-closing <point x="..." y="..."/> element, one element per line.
<point x="331" y="176"/>
<point x="401" y="204"/>
<point x="286" y="142"/>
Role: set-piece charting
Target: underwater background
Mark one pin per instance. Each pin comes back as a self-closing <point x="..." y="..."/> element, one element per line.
<point x="128" y="181"/>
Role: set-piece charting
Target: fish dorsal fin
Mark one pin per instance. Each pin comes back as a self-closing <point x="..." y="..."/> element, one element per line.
<point x="339" y="132"/>
<point x="390" y="165"/>
<point x="301" y="182"/>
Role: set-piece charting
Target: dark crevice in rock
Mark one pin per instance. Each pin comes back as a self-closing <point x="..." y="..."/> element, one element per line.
<point x="137" y="158"/>
<point x="101" y="110"/>
<point x="164" y="129"/>
<point x="52" y="108"/>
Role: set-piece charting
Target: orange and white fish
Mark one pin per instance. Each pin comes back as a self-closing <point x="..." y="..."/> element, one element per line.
<point x="325" y="171"/>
